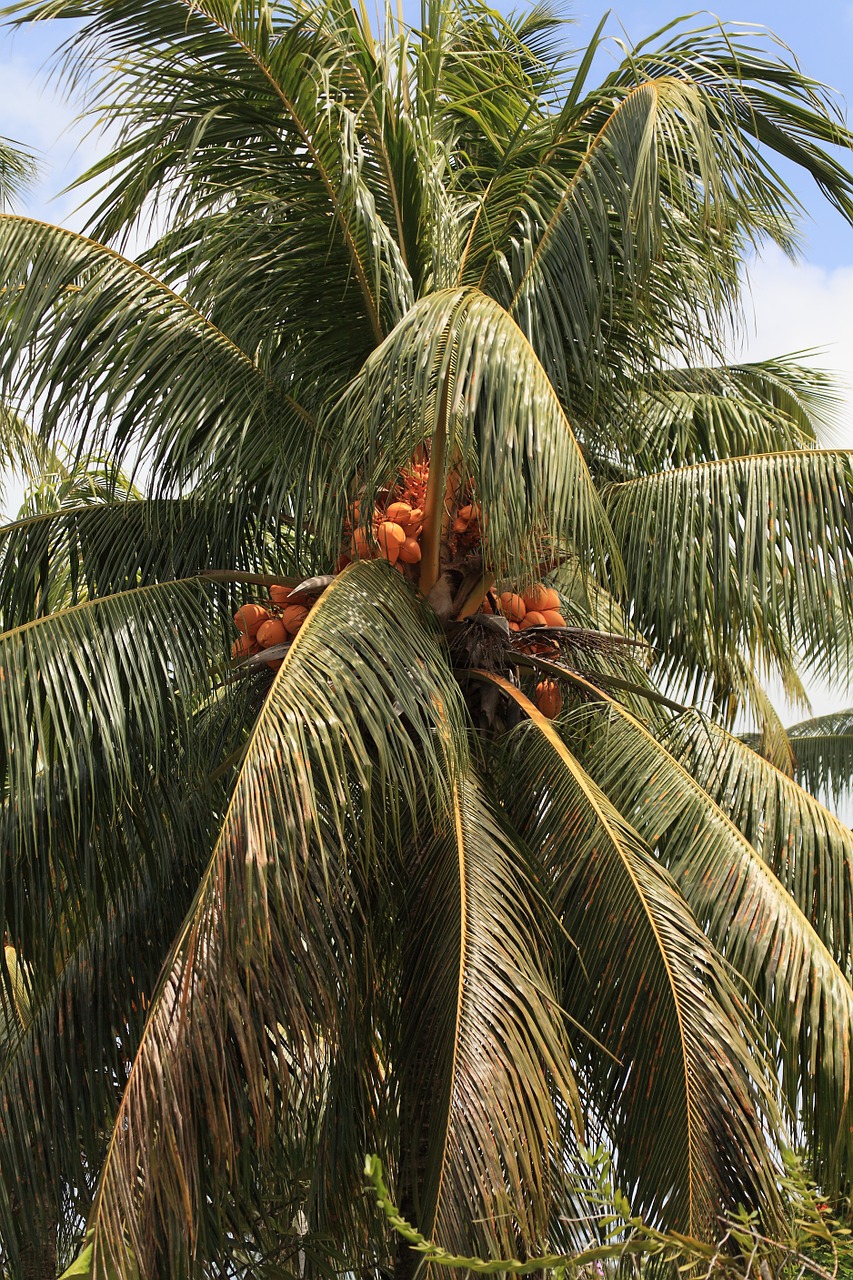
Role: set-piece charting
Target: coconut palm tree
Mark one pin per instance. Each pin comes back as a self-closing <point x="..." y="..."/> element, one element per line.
<point x="373" y="889"/>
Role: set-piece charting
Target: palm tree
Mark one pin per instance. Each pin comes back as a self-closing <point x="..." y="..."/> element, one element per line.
<point x="375" y="899"/>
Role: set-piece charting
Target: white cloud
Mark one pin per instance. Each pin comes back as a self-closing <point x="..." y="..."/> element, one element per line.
<point x="802" y="307"/>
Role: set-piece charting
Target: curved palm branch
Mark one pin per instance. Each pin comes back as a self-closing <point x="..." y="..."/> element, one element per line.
<point x="478" y="1107"/>
<point x="257" y="92"/>
<point x="678" y="1071"/>
<point x="97" y="549"/>
<point x="735" y="555"/>
<point x="90" y="336"/>
<point x="89" y="697"/>
<point x="62" y="1076"/>
<point x="250" y="996"/>
<point x="807" y="847"/>
<point x="458" y="357"/>
<point x="749" y="915"/>
<point x="823" y="754"/>
<point x="685" y="416"/>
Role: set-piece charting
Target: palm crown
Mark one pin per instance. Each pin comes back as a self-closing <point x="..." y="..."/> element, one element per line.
<point x="375" y="899"/>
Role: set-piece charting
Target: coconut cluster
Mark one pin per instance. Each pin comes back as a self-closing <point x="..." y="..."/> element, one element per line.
<point x="263" y="626"/>
<point x="394" y="530"/>
<point x="393" y="533"/>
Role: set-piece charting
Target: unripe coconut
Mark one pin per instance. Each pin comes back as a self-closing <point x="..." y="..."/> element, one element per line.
<point x="272" y="632"/>
<point x="249" y="618"/>
<point x="512" y="606"/>
<point x="293" y="617"/>
<point x="533" y="619"/>
<point x="410" y="551"/>
<point x="549" y="698"/>
<point x="540" y="597"/>
<point x="390" y="537"/>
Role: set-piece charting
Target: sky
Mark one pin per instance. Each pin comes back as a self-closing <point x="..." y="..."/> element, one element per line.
<point x="790" y="307"/>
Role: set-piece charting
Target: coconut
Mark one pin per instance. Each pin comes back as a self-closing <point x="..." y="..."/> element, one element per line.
<point x="272" y="632"/>
<point x="249" y="618"/>
<point x="549" y="698"/>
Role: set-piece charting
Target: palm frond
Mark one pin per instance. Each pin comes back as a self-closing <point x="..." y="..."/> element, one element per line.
<point x="62" y="1075"/>
<point x="484" y="1057"/>
<point x="749" y="915"/>
<point x="823" y="754"/>
<point x="92" y="699"/>
<point x="90" y="550"/>
<point x="808" y="848"/>
<point x="17" y="172"/>
<point x="506" y="429"/>
<point x="695" y="415"/>
<point x="672" y="1079"/>
<point x="763" y="104"/>
<point x="250" y="996"/>
<point x="261" y="101"/>
<point x="751" y="555"/>
<point x="91" y="338"/>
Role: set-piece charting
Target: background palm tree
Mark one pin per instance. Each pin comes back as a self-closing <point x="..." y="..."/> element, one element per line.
<point x="376" y="901"/>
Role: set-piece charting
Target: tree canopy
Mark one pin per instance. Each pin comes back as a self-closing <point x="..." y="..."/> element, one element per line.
<point x="417" y="879"/>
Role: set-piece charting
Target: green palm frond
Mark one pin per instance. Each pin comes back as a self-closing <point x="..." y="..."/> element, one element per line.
<point x="767" y="106"/>
<point x="62" y="1076"/>
<point x="702" y="414"/>
<point x="17" y="172"/>
<point x="91" y="338"/>
<point x="823" y="754"/>
<point x="749" y="915"/>
<point x="98" y="549"/>
<point x="250" y="997"/>
<point x="807" y="847"/>
<point x="478" y="1107"/>
<point x="736" y="556"/>
<point x="90" y="697"/>
<point x="458" y="354"/>
<point x="256" y="92"/>
<point x="673" y="1068"/>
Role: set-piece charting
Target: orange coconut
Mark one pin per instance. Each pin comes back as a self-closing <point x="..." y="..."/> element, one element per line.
<point x="540" y="597"/>
<point x="362" y="547"/>
<point x="241" y="647"/>
<point x="553" y="618"/>
<point x="549" y="698"/>
<point x="293" y="617"/>
<point x="512" y="606"/>
<point x="514" y="626"/>
<point x="533" y="619"/>
<point x="410" y="551"/>
<point x="399" y="513"/>
<point x="249" y="618"/>
<point x="272" y="632"/>
<point x="390" y="537"/>
<point x="279" y="594"/>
